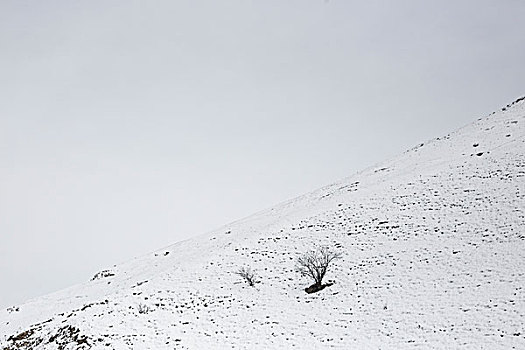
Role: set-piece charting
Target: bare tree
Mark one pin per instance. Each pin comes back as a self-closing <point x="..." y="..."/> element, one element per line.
<point x="248" y="275"/>
<point x="314" y="264"/>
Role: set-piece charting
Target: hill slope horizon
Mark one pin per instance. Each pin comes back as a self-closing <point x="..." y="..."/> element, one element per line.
<point x="432" y="256"/>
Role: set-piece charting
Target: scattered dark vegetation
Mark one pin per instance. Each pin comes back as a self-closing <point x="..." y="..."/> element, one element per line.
<point x="314" y="264"/>
<point x="102" y="274"/>
<point x="13" y="309"/>
<point x="513" y="103"/>
<point x="24" y="340"/>
<point x="63" y="338"/>
<point x="68" y="335"/>
<point x="248" y="275"/>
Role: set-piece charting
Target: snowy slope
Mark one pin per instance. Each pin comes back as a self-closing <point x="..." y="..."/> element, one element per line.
<point x="433" y="245"/>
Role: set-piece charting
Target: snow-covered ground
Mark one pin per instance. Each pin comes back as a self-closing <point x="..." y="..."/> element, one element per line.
<point x="433" y="257"/>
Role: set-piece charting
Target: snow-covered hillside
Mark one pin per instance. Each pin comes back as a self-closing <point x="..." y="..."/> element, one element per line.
<point x="433" y="257"/>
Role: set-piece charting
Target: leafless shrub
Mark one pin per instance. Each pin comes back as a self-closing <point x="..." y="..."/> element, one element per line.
<point x="314" y="264"/>
<point x="143" y="309"/>
<point x="248" y="275"/>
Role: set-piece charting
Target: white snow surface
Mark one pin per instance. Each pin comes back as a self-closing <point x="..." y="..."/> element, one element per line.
<point x="433" y="257"/>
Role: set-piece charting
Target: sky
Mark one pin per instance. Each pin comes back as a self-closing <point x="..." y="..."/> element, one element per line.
<point x="126" y="126"/>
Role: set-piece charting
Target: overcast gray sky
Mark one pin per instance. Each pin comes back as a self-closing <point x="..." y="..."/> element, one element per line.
<point x="126" y="126"/>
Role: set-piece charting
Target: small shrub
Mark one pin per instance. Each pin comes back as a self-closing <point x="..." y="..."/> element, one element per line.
<point x="248" y="275"/>
<point x="143" y="309"/>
